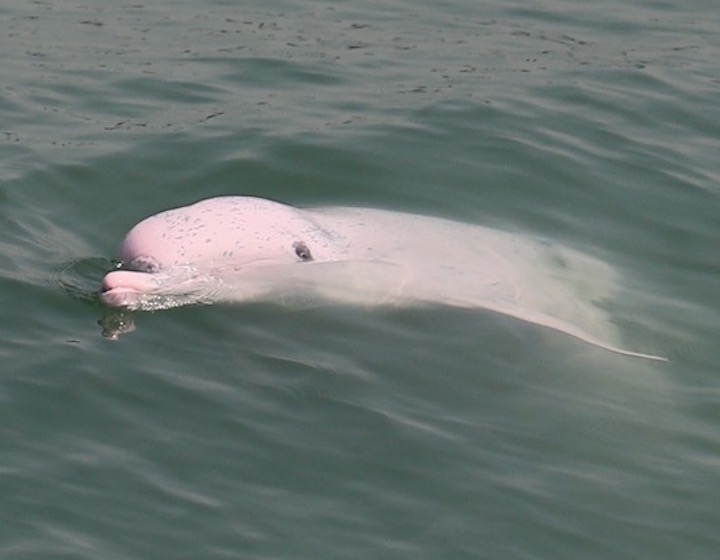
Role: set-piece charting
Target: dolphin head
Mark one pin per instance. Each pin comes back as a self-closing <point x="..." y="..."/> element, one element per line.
<point x="179" y="255"/>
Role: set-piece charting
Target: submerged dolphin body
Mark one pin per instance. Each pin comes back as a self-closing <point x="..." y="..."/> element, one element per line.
<point x="239" y="248"/>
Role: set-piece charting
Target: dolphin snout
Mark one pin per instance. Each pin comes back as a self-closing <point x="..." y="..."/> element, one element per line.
<point x="129" y="280"/>
<point x="121" y="288"/>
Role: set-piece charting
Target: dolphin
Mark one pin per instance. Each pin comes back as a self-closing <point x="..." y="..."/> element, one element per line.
<point x="244" y="248"/>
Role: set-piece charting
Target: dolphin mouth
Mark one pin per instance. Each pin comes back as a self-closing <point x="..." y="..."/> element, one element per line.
<point x="125" y="288"/>
<point x="148" y="291"/>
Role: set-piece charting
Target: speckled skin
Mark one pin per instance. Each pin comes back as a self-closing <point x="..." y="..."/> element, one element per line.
<point x="234" y="229"/>
<point x="242" y="248"/>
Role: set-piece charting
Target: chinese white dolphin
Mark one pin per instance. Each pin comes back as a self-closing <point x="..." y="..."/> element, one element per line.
<point x="242" y="248"/>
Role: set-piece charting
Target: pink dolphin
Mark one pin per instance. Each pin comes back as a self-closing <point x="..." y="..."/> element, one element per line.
<point x="241" y="248"/>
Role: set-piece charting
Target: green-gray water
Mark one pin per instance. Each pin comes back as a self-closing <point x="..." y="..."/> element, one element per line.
<point x="332" y="432"/>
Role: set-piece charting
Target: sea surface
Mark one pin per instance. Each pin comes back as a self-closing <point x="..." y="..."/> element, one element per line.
<point x="336" y="432"/>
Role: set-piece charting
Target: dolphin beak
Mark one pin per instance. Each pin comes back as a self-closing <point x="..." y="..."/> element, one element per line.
<point x="123" y="288"/>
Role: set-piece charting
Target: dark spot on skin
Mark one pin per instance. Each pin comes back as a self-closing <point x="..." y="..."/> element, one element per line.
<point x="302" y="251"/>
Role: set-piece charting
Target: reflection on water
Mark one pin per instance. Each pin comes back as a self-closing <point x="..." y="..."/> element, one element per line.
<point x="116" y="323"/>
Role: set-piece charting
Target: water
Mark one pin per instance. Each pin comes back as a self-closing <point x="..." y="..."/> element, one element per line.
<point x="265" y="432"/>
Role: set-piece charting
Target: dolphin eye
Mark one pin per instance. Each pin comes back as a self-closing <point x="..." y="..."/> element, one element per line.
<point x="302" y="251"/>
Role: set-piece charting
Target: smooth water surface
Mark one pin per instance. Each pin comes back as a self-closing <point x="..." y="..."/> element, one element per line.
<point x="262" y="431"/>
